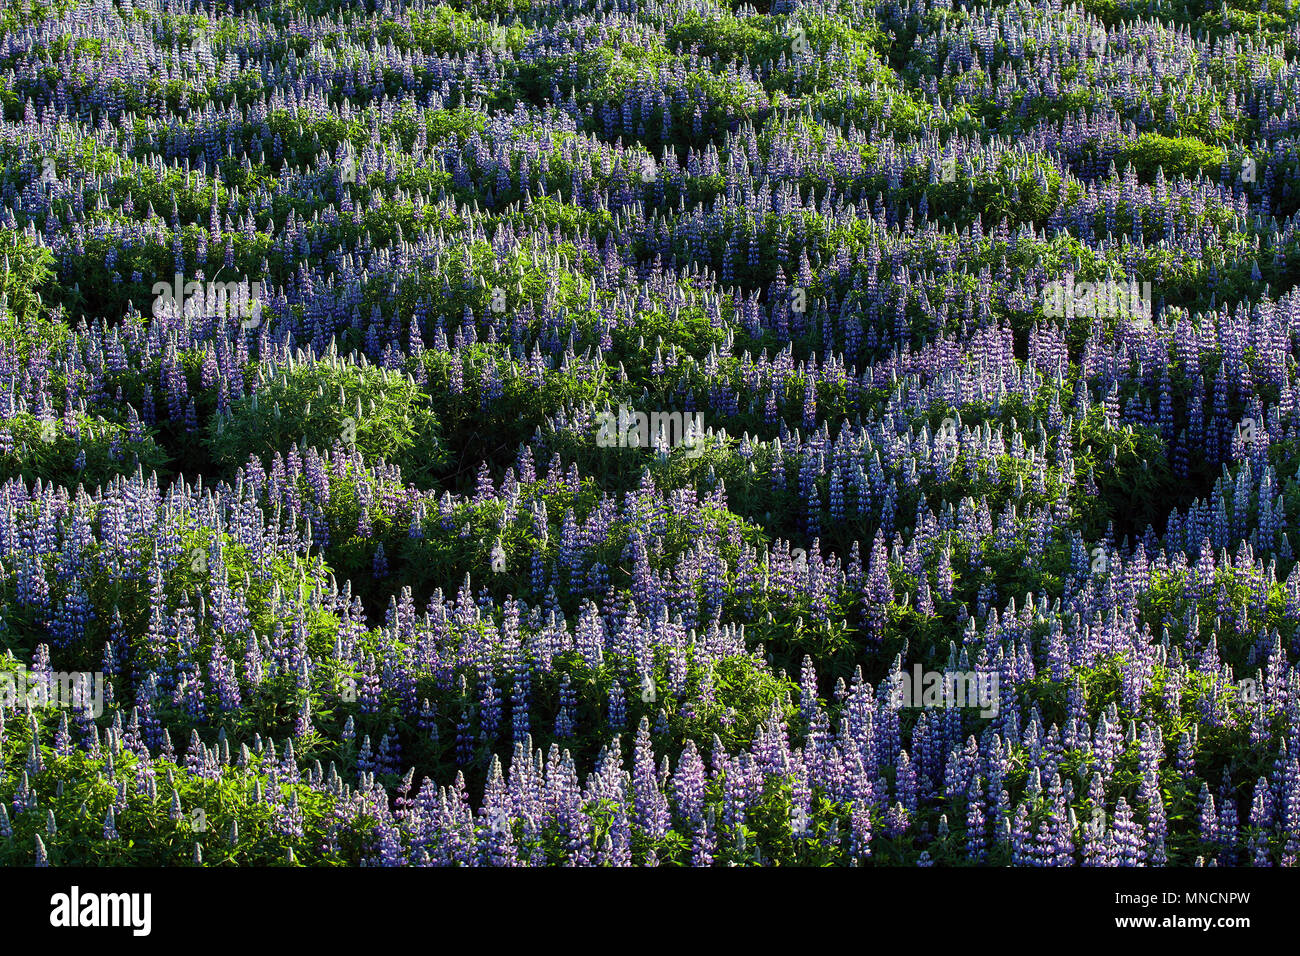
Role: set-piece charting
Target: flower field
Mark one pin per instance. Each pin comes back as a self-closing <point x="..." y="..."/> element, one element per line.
<point x="638" y="433"/>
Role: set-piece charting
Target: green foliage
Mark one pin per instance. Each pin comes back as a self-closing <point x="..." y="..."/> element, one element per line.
<point x="188" y="812"/>
<point x="27" y="266"/>
<point x="332" y="402"/>
<point x="89" y="453"/>
<point x="1176" y="155"/>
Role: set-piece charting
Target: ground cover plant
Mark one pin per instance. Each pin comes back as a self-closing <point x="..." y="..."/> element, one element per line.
<point x="613" y="432"/>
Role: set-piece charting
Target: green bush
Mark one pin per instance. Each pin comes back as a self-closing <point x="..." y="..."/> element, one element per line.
<point x="333" y="401"/>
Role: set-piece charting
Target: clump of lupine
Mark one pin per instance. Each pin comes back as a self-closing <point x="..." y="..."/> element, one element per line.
<point x="363" y="584"/>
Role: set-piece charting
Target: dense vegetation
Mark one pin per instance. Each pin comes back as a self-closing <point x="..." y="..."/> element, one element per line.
<point x="364" y="583"/>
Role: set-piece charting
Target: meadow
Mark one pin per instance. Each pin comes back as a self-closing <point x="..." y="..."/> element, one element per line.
<point x="634" y="433"/>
